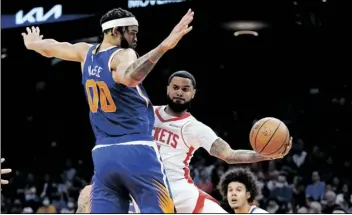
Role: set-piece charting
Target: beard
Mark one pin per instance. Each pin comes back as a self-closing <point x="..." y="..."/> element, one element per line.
<point x="178" y="107"/>
<point x="124" y="43"/>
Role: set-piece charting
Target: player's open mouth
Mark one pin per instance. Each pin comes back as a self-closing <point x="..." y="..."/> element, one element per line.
<point x="234" y="201"/>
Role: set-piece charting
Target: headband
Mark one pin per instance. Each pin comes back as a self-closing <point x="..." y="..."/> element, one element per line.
<point x="127" y="21"/>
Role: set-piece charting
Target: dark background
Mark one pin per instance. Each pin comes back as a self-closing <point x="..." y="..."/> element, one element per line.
<point x="45" y="122"/>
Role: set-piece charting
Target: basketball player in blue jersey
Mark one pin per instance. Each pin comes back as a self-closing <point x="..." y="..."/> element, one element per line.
<point x="126" y="160"/>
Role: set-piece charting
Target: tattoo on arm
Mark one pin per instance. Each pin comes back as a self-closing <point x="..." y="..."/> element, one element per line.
<point x="83" y="203"/>
<point x="222" y="150"/>
<point x="139" y="69"/>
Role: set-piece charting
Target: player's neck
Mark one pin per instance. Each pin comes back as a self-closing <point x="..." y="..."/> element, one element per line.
<point x="107" y="43"/>
<point x="243" y="210"/>
<point x="169" y="111"/>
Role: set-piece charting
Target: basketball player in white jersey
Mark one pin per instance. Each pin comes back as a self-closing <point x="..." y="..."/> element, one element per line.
<point x="178" y="135"/>
<point x="239" y="187"/>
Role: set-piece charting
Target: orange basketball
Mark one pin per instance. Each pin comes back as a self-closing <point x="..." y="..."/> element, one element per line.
<point x="269" y="136"/>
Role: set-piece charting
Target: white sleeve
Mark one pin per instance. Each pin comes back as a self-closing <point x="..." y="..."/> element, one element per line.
<point x="259" y="211"/>
<point x="197" y="134"/>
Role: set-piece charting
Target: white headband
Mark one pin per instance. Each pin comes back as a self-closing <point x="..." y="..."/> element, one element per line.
<point x="127" y="21"/>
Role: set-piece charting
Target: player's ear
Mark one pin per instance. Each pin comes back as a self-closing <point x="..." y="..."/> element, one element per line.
<point x="115" y="31"/>
<point x="167" y="89"/>
<point x="248" y="195"/>
<point x="194" y="93"/>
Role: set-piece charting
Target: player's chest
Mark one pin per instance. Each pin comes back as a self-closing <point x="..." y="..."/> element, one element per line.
<point x="168" y="135"/>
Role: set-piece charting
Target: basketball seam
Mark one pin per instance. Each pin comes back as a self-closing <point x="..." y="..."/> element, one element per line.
<point x="270" y="138"/>
<point x="287" y="135"/>
<point x="255" y="139"/>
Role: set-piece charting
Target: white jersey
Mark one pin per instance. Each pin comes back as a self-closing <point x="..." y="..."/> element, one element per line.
<point x="255" y="210"/>
<point x="178" y="138"/>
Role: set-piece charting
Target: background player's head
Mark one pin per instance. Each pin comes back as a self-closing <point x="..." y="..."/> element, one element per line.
<point x="181" y="90"/>
<point x="120" y="27"/>
<point x="239" y="187"/>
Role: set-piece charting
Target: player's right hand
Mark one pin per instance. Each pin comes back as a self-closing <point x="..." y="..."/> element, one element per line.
<point x="4" y="171"/>
<point x="179" y="31"/>
<point x="32" y="35"/>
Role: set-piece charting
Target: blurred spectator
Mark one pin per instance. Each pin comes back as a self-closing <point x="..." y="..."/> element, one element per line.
<point x="329" y="202"/>
<point x="316" y="190"/>
<point x="282" y="191"/>
<point x="315" y="208"/>
<point x="47" y="207"/>
<point x="204" y="182"/>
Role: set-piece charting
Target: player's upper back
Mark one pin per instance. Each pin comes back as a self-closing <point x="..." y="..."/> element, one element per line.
<point x="118" y="113"/>
<point x="178" y="138"/>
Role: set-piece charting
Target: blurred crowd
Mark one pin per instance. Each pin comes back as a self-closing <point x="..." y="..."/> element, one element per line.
<point x="313" y="178"/>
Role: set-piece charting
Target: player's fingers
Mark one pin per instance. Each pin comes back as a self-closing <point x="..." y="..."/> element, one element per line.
<point x="186" y="31"/>
<point x="33" y="30"/>
<point x="37" y="30"/>
<point x="186" y="15"/>
<point x="4" y="181"/>
<point x="23" y="34"/>
<point x="3" y="159"/>
<point x="187" y="19"/>
<point x="41" y="36"/>
<point x="28" y="30"/>
<point x="5" y="171"/>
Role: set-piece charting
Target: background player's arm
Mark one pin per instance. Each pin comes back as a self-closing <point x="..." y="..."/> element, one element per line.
<point x="84" y="199"/>
<point x="52" y="48"/>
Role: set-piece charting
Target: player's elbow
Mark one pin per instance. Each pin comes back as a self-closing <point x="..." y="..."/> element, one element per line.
<point x="121" y="78"/>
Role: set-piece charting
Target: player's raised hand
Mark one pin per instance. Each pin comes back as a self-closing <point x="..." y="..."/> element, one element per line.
<point x="179" y="31"/>
<point x="4" y="171"/>
<point x="32" y="35"/>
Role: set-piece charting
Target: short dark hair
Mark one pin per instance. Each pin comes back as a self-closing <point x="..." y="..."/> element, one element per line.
<point x="241" y="175"/>
<point x="183" y="74"/>
<point x="116" y="13"/>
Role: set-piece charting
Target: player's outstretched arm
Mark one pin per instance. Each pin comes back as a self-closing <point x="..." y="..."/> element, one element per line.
<point x="131" y="71"/>
<point x="52" y="48"/>
<point x="221" y="149"/>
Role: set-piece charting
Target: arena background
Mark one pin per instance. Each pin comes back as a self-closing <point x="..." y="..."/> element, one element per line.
<point x="293" y="70"/>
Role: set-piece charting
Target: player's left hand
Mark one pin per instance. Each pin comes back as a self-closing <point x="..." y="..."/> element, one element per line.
<point x="179" y="31"/>
<point x="286" y="150"/>
<point x="32" y="35"/>
<point x="4" y="171"/>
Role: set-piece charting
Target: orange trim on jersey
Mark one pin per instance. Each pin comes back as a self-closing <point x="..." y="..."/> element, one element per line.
<point x="186" y="163"/>
<point x="157" y="113"/>
<point x="200" y="201"/>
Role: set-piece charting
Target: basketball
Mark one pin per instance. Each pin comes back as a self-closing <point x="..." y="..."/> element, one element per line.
<point x="269" y="137"/>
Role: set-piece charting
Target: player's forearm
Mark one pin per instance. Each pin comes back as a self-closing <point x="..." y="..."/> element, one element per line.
<point x="244" y="156"/>
<point x="221" y="149"/>
<point x="41" y="46"/>
<point x="139" y="69"/>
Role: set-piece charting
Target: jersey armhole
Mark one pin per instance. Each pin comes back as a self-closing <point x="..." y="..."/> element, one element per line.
<point x="112" y="56"/>
<point x="90" y="50"/>
<point x="184" y="141"/>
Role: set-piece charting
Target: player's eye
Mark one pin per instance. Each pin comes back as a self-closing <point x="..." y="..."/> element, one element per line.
<point x="185" y="89"/>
